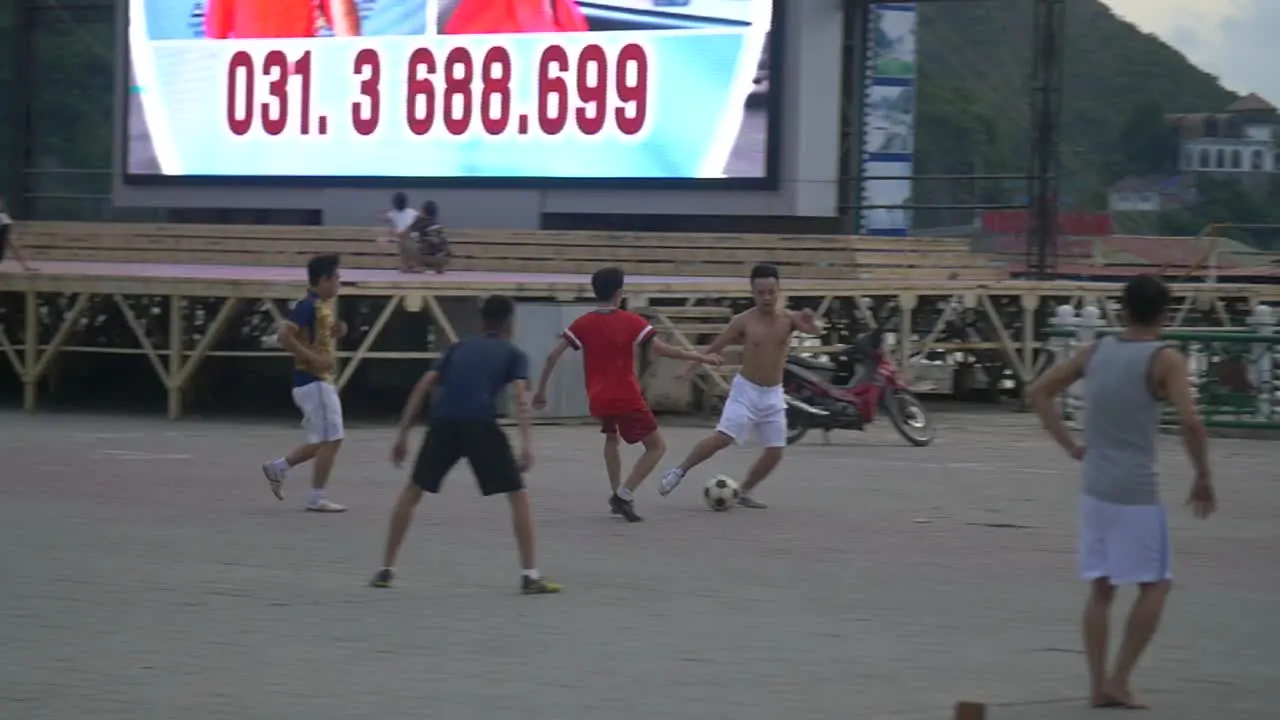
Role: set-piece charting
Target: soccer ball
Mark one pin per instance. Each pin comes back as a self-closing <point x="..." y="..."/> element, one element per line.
<point x="721" y="493"/>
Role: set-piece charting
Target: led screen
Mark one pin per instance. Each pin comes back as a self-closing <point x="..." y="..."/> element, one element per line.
<point x="496" y="89"/>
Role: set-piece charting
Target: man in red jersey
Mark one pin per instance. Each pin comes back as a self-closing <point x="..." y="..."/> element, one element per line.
<point x="479" y="17"/>
<point x="608" y="338"/>
<point x="241" y="19"/>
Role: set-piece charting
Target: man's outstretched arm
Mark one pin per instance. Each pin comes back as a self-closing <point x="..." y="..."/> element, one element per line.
<point x="548" y="367"/>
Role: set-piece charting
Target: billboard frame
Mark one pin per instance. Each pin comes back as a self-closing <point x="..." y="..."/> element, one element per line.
<point x="770" y="181"/>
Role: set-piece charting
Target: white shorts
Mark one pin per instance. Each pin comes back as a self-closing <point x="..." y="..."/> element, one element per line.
<point x="321" y="411"/>
<point x="754" y="410"/>
<point x="1127" y="543"/>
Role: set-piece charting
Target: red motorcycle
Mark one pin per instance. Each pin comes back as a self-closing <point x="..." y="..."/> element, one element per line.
<point x="846" y="393"/>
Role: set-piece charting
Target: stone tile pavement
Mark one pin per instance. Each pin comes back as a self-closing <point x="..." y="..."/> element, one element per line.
<point x="147" y="573"/>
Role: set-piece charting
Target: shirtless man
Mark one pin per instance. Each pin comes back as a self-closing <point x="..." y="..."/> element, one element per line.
<point x="756" y="404"/>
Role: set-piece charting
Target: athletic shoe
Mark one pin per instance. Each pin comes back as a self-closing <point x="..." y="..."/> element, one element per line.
<point x="747" y="501"/>
<point x="625" y="508"/>
<point x="383" y="578"/>
<point x="541" y="586"/>
<point x="275" y="479"/>
<point x="325" y="506"/>
<point x="670" y="481"/>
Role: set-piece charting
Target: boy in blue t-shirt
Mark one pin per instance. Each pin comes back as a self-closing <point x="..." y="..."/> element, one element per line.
<point x="310" y="335"/>
<point x="464" y="424"/>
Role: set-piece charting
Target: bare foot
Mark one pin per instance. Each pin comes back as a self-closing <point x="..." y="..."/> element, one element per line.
<point x="1117" y="696"/>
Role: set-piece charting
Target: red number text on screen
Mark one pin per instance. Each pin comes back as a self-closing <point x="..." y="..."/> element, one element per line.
<point x="240" y="93"/>
<point x="367" y="111"/>
<point x="458" y="75"/>
<point x="495" y="92"/>
<point x="632" y="87"/>
<point x="302" y="69"/>
<point x="553" y="91"/>
<point x="593" y="90"/>
<point x="421" y="95"/>
<point x="591" y="86"/>
<point x="275" y="109"/>
<point x="243" y="108"/>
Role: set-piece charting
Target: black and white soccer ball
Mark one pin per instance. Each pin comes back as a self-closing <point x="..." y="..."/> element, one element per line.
<point x="721" y="493"/>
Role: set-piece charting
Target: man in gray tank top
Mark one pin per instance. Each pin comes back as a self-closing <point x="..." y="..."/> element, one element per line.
<point x="1123" y="535"/>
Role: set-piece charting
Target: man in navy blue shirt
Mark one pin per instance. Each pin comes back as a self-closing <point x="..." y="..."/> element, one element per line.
<point x="464" y="424"/>
<point x="310" y="335"/>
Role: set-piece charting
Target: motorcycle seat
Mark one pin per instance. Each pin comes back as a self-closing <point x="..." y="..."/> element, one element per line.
<point x="810" y="363"/>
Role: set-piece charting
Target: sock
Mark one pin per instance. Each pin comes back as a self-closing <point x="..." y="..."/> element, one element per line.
<point x="281" y="464"/>
<point x="316" y="496"/>
<point x="625" y="494"/>
<point x="531" y="573"/>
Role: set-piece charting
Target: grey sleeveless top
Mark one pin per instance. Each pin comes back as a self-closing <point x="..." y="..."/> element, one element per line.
<point x="1121" y="423"/>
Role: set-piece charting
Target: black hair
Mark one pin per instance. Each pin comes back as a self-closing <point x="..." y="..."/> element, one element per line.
<point x="399" y="201"/>
<point x="431" y="210"/>
<point x="764" y="271"/>
<point x="496" y="311"/>
<point x="1145" y="299"/>
<point x="606" y="282"/>
<point x="322" y="267"/>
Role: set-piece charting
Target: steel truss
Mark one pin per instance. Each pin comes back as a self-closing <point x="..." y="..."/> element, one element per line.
<point x="178" y="324"/>
<point x="1046" y="119"/>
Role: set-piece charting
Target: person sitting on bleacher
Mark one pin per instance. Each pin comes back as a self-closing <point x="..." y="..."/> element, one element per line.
<point x="432" y="245"/>
<point x="401" y="218"/>
<point x="6" y="229"/>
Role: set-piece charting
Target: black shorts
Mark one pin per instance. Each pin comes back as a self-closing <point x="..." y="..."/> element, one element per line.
<point x="481" y="442"/>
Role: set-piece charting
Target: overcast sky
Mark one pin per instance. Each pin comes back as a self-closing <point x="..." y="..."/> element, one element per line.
<point x="1234" y="39"/>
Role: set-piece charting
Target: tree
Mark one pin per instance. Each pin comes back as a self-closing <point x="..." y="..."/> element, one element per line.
<point x="1147" y="144"/>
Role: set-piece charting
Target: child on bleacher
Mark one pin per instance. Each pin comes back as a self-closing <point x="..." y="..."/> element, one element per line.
<point x="6" y="230"/>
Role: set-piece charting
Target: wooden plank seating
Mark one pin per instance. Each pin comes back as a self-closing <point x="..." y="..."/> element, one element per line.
<point x="815" y="257"/>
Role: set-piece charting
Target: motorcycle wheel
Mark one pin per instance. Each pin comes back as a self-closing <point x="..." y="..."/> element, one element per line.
<point x="797" y="426"/>
<point x="909" y="417"/>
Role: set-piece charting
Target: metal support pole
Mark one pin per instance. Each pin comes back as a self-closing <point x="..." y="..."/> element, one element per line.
<point x="1046" y="118"/>
<point x="31" y="351"/>
<point x="853" y="48"/>
<point x="22" y="60"/>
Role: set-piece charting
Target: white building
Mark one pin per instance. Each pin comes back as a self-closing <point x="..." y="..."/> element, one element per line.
<point x="1245" y="138"/>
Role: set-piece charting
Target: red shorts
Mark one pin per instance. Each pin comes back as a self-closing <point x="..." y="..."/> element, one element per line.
<point x="632" y="426"/>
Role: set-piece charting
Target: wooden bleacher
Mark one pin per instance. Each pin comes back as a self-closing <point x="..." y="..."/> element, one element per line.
<point x="815" y="257"/>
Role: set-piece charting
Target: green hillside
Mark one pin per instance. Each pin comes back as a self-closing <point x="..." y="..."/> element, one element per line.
<point x="974" y="98"/>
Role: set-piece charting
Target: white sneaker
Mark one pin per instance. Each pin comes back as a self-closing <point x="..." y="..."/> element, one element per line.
<point x="670" y="481"/>
<point x="275" y="479"/>
<point x="325" y="505"/>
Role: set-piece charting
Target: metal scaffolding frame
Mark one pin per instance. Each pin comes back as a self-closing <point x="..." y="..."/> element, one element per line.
<point x="1046" y="119"/>
<point x="29" y="16"/>
<point x="1049" y="19"/>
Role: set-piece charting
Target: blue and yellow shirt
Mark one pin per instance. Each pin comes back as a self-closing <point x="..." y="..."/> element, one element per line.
<point x="315" y="321"/>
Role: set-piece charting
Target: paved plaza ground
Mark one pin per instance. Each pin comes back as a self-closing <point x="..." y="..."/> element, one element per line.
<point x="146" y="572"/>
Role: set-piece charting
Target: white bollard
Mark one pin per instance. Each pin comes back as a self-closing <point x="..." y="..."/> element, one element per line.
<point x="1064" y="319"/>
<point x="1087" y="327"/>
<point x="1063" y="346"/>
<point x="1090" y="322"/>
<point x="1263" y="322"/>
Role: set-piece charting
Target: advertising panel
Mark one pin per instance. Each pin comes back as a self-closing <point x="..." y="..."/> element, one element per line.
<point x="482" y="90"/>
<point x="889" y="119"/>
